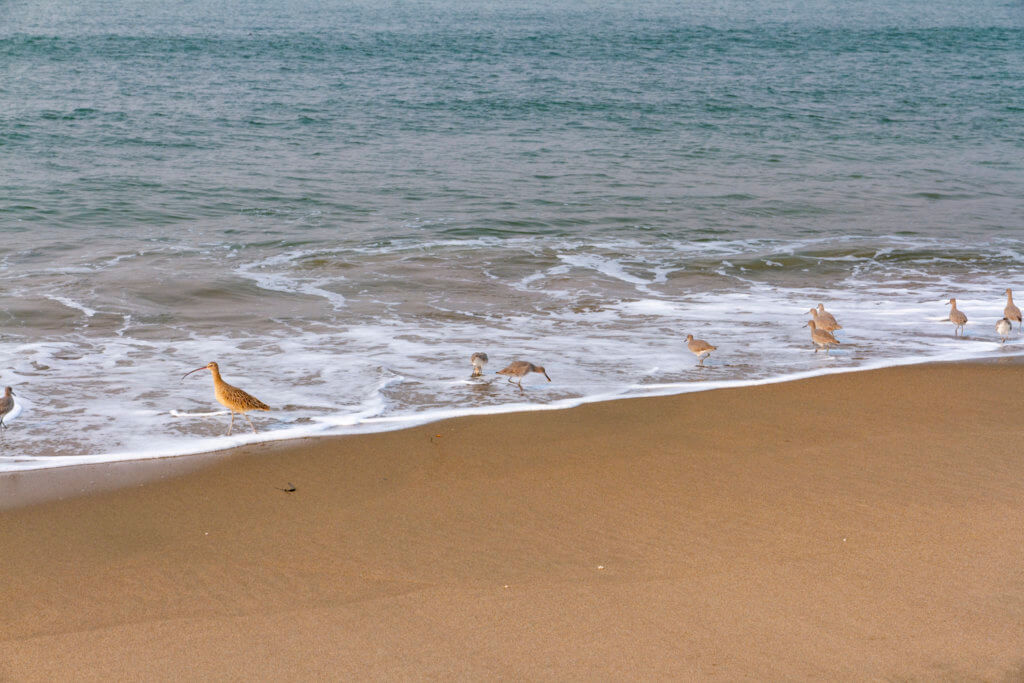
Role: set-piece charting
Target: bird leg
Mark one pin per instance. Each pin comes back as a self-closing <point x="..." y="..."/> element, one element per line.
<point x="232" y="424"/>
<point x="250" y="422"/>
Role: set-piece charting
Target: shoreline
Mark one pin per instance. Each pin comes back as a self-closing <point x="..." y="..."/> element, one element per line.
<point x="858" y="525"/>
<point x="27" y="486"/>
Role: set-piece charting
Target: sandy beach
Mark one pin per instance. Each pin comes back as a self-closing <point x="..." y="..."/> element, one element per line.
<point x="858" y="526"/>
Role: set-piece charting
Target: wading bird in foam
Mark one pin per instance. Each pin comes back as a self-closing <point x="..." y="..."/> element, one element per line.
<point x="699" y="348"/>
<point x="479" y="360"/>
<point x="822" y="339"/>
<point x="520" y="369"/>
<point x="1011" y="312"/>
<point x="824" y="320"/>
<point x="1003" y="328"/>
<point x="6" y="406"/>
<point x="957" y="317"/>
<point x="231" y="397"/>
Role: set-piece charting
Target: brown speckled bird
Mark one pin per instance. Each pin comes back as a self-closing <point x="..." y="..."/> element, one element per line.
<point x="699" y="348"/>
<point x="957" y="317"/>
<point x="822" y="338"/>
<point x="6" y="405"/>
<point x="520" y="368"/>
<point x="1011" y="312"/>
<point x="232" y="398"/>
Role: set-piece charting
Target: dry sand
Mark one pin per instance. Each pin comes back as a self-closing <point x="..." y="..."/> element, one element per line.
<point x="857" y="526"/>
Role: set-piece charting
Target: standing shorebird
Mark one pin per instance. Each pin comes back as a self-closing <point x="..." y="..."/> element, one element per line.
<point x="957" y="317"/>
<point x="6" y="405"/>
<point x="1011" y="312"/>
<point x="824" y="320"/>
<point x="822" y="339"/>
<point x="1003" y="328"/>
<point x="520" y="368"/>
<point x="699" y="348"/>
<point x="232" y="398"/>
<point x="479" y="360"/>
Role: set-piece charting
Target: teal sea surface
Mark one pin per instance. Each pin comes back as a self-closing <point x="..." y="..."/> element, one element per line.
<point x="341" y="201"/>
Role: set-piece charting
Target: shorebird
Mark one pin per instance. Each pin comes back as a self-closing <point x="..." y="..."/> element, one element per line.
<point x="6" y="405"/>
<point x="1003" y="328"/>
<point x="822" y="323"/>
<point x="232" y="398"/>
<point x="824" y="320"/>
<point x="957" y="317"/>
<point x="699" y="348"/>
<point x="479" y="360"/>
<point x="520" y="368"/>
<point x="822" y="339"/>
<point x="1011" y="312"/>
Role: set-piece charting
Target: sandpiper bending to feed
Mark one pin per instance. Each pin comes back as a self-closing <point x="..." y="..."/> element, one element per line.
<point x="520" y="368"/>
<point x="232" y="398"/>
<point x="1003" y="328"/>
<point x="824" y="320"/>
<point x="957" y="317"/>
<point x="6" y="405"/>
<point x="822" y="339"/>
<point x="479" y="360"/>
<point x="1011" y="312"/>
<point x="699" y="348"/>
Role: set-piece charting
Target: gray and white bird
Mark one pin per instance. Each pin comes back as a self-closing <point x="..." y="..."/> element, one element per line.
<point x="479" y="360"/>
<point x="1003" y="328"/>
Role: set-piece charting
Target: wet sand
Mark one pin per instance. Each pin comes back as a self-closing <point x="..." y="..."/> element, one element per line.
<point x="855" y="526"/>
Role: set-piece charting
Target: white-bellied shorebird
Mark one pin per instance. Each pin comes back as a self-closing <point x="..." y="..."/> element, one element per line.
<point x="479" y="360"/>
<point x="232" y="398"/>
<point x="1003" y="328"/>
<point x="957" y="317"/>
<point x="699" y="348"/>
<point x="822" y="324"/>
<point x="6" y="405"/>
<point x="520" y="368"/>
<point x="1011" y="312"/>
<point x="822" y="339"/>
<point x="824" y="321"/>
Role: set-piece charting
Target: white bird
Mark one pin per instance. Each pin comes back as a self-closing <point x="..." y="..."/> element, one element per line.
<point x="1003" y="328"/>
<point x="479" y="360"/>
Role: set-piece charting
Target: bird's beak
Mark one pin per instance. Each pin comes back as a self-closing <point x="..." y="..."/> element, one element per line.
<point x="191" y="371"/>
<point x="546" y="375"/>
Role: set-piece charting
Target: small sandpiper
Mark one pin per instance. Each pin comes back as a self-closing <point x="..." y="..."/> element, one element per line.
<point x="520" y="368"/>
<point x="957" y="317"/>
<point x="479" y="360"/>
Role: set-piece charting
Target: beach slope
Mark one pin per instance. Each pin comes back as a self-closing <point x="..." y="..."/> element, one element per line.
<point x="854" y="526"/>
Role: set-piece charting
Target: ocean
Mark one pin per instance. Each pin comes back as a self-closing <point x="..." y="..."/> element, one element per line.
<point x="339" y="202"/>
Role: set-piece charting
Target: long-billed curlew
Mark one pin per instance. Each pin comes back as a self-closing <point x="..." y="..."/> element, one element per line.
<point x="824" y="321"/>
<point x="957" y="317"/>
<point x="1003" y="328"/>
<point x="825" y="316"/>
<point x="232" y="398"/>
<point x="479" y="360"/>
<point x="1011" y="312"/>
<point x="699" y="348"/>
<point x="520" y="368"/>
<point x="6" y="405"/>
<point x="822" y="339"/>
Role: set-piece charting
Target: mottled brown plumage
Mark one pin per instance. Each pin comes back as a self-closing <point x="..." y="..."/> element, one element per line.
<point x="824" y="321"/>
<point x="822" y="339"/>
<point x="231" y="397"/>
<point x="699" y="348"/>
<point x="957" y="317"/>
<point x="1011" y="312"/>
<point x="520" y="368"/>
<point x="6" y="405"/>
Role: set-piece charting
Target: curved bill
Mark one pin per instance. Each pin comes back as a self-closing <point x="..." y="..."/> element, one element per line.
<point x="191" y="371"/>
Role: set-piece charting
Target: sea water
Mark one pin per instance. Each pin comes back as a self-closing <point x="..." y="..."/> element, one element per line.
<point x="341" y="201"/>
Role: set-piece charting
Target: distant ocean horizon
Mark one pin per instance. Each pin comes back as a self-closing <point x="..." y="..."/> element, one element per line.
<point x="340" y="202"/>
